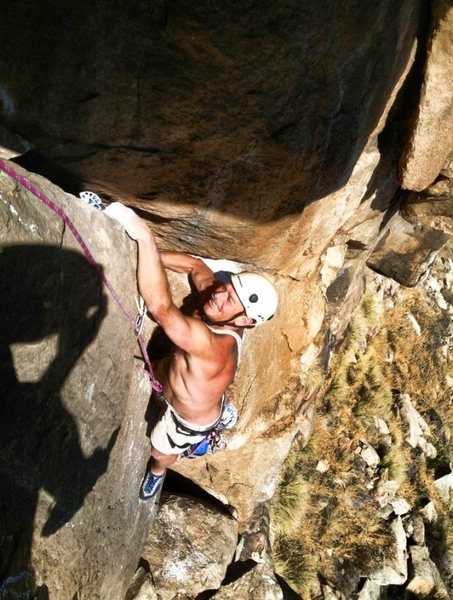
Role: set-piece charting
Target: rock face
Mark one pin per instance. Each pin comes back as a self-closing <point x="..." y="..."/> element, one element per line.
<point x="72" y="427"/>
<point x="201" y="105"/>
<point x="270" y="134"/>
<point x="264" y="135"/>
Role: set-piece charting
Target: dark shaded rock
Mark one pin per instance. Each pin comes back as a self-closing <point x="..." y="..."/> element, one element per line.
<point x="212" y="118"/>
<point x="426" y="580"/>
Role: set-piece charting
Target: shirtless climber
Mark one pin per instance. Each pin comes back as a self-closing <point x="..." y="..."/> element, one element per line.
<point x="206" y="345"/>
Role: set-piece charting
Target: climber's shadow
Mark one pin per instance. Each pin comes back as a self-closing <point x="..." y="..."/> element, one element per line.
<point x="45" y="292"/>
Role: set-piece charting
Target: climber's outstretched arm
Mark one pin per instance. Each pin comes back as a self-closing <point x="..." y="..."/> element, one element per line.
<point x="151" y="277"/>
<point x="187" y="333"/>
<point x="200" y="273"/>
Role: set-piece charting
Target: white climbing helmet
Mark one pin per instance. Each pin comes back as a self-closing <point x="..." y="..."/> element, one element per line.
<point x="257" y="295"/>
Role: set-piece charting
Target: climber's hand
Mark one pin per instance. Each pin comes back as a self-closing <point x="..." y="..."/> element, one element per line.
<point x="135" y="227"/>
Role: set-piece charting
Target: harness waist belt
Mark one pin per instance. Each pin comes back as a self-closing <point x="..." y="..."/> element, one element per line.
<point x="184" y="430"/>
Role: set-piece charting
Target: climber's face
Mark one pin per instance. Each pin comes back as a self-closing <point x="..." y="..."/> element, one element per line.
<point x="223" y="304"/>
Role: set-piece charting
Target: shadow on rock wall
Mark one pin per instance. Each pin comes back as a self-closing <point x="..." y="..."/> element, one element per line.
<point x="253" y="109"/>
<point x="51" y="307"/>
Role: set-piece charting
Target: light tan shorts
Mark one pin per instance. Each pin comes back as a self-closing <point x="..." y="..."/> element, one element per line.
<point x="173" y="434"/>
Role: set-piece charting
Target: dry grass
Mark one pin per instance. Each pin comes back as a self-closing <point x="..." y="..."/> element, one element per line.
<point x="291" y="499"/>
<point x="417" y="368"/>
<point x="295" y="564"/>
<point x="325" y="521"/>
<point x="315" y="377"/>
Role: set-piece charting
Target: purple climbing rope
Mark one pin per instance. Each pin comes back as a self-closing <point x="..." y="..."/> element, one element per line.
<point x="70" y="225"/>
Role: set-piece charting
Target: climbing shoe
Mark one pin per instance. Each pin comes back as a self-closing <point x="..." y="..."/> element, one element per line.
<point x="151" y="485"/>
<point x="91" y="199"/>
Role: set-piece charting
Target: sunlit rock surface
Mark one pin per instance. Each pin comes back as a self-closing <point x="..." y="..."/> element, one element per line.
<point x="431" y="141"/>
<point x="189" y="547"/>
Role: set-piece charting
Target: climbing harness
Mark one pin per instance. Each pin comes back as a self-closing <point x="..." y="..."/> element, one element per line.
<point x="215" y="440"/>
<point x="136" y="324"/>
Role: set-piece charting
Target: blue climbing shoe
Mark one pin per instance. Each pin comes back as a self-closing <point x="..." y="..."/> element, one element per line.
<point x="151" y="485"/>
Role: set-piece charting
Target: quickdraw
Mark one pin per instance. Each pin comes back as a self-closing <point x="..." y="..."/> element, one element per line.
<point x="136" y="324"/>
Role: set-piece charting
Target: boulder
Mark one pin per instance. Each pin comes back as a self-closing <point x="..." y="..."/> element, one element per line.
<point x="444" y="486"/>
<point x="429" y="513"/>
<point x="142" y="586"/>
<point x="74" y="444"/>
<point x="257" y="584"/>
<point x="400" y="506"/>
<point x="407" y="250"/>
<point x="254" y="538"/>
<point x="418" y="429"/>
<point x="416" y="528"/>
<point x="370" y="591"/>
<point x="189" y="547"/>
<point x="370" y="456"/>
<point x="147" y="591"/>
<point x="426" y="580"/>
